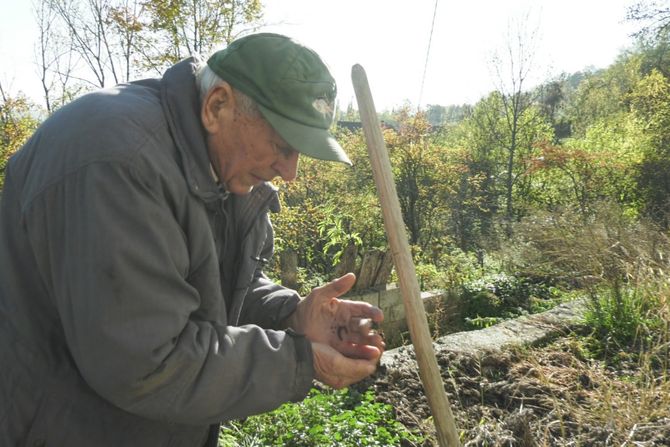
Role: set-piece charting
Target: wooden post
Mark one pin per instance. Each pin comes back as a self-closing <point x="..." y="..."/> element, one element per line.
<point x="417" y="322"/>
<point x="385" y="269"/>
<point x="347" y="261"/>
<point x="369" y="268"/>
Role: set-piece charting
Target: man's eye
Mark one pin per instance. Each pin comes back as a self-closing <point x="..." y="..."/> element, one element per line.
<point x="285" y="151"/>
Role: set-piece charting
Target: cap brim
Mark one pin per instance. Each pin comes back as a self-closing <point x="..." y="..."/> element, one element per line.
<point x="311" y="141"/>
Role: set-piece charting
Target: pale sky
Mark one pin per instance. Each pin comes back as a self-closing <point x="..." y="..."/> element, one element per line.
<point x="389" y="38"/>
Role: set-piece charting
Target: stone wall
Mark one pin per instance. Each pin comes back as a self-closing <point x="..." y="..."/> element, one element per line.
<point x="527" y="330"/>
<point x="442" y="308"/>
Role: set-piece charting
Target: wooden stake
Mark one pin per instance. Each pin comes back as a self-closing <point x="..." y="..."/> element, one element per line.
<point x="417" y="322"/>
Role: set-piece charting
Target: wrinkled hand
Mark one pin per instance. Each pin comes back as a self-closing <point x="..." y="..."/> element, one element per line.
<point x="338" y="371"/>
<point x="345" y="347"/>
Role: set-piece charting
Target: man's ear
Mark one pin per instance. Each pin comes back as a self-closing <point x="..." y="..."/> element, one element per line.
<point x="218" y="101"/>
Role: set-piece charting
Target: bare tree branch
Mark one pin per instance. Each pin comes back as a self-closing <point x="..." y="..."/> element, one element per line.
<point x="654" y="17"/>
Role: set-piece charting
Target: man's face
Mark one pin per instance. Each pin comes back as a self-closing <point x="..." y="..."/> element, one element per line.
<point x="246" y="151"/>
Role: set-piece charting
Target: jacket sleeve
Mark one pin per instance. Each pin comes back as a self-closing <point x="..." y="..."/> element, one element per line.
<point x="115" y="261"/>
<point x="267" y="304"/>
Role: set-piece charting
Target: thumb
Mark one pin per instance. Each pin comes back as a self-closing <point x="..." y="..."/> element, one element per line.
<point x="339" y="286"/>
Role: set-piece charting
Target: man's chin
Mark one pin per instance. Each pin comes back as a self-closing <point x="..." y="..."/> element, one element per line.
<point x="239" y="190"/>
<point x="243" y="192"/>
<point x="242" y="189"/>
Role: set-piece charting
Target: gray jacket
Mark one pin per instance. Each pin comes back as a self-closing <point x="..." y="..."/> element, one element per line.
<point x="122" y="322"/>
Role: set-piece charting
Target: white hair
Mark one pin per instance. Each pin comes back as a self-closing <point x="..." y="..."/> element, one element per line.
<point x="206" y="80"/>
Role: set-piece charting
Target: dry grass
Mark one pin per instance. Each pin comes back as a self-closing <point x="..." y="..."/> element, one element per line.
<point x="562" y="394"/>
<point x="587" y="402"/>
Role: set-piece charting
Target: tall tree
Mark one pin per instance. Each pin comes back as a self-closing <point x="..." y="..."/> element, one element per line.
<point x="653" y="16"/>
<point x="95" y="42"/>
<point x="479" y="192"/>
<point x="54" y="57"/>
<point x="436" y="114"/>
<point x="650" y="104"/>
<point x="424" y="179"/>
<point x="602" y="94"/>
<point x="175" y="29"/>
<point x="111" y="41"/>
<point x="513" y="73"/>
<point x="653" y="36"/>
<point x="125" y="17"/>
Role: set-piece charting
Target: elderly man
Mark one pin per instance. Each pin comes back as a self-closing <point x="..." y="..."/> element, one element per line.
<point x="133" y="232"/>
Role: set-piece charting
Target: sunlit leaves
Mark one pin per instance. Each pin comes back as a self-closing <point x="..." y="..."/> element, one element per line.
<point x="180" y="28"/>
<point x="650" y="103"/>
<point x="17" y="123"/>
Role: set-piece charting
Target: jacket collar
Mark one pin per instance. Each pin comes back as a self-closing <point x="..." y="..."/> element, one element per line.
<point x="181" y="107"/>
<point x="180" y="100"/>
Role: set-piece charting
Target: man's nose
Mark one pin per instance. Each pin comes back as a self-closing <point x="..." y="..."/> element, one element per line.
<point x="287" y="166"/>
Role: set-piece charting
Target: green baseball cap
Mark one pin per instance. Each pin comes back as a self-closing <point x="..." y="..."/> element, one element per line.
<point x="292" y="86"/>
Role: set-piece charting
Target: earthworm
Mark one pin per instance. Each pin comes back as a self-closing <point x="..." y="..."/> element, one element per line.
<point x="339" y="332"/>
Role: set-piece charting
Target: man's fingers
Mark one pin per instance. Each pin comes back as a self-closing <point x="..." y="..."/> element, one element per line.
<point x="338" y="371"/>
<point x="359" y="351"/>
<point x="361" y="309"/>
<point x="370" y="339"/>
<point x="375" y="339"/>
<point x="375" y="313"/>
<point x="357" y="369"/>
<point x="360" y="331"/>
<point x="360" y="325"/>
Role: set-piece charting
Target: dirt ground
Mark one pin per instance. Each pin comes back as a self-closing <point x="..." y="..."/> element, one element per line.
<point x="547" y="396"/>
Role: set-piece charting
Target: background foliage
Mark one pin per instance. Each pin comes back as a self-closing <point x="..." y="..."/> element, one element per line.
<point x="468" y="176"/>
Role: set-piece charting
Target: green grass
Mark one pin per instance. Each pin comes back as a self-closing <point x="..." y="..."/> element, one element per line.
<point x="621" y="317"/>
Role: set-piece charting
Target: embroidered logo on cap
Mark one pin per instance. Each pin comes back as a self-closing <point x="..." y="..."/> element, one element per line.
<point x="323" y="106"/>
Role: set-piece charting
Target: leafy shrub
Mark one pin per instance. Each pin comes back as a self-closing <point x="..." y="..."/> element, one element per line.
<point x="458" y="267"/>
<point x="343" y="418"/>
<point x="428" y="276"/>
<point x="336" y="230"/>
<point x="494" y="297"/>
<point x="451" y="268"/>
